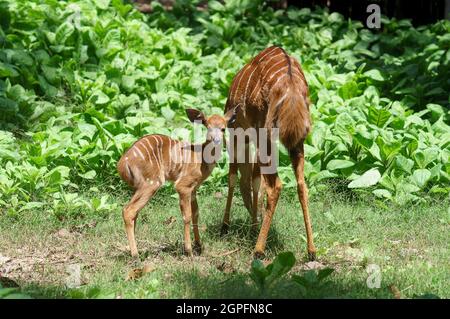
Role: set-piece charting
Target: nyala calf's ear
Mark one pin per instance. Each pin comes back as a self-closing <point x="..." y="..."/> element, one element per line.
<point x="230" y="116"/>
<point x="196" y="116"/>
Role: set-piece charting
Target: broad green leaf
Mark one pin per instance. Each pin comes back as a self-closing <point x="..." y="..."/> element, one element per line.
<point x="420" y="177"/>
<point x="324" y="273"/>
<point x="407" y="188"/>
<point x="102" y="4"/>
<point x="383" y="193"/>
<point x="99" y="97"/>
<point x="7" y="70"/>
<point x="374" y="75"/>
<point x="339" y="164"/>
<point x="63" y="32"/>
<point x="258" y="273"/>
<point x="167" y="113"/>
<point x="404" y="163"/>
<point x="369" y="178"/>
<point x="88" y="175"/>
<point x="280" y="266"/>
<point x="378" y="117"/>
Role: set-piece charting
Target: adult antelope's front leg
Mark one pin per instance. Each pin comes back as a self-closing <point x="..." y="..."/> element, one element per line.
<point x="298" y="163"/>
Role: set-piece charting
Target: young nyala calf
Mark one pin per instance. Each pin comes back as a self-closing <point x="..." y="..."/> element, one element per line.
<point x="155" y="159"/>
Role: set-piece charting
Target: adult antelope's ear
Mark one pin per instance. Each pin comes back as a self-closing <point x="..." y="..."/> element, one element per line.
<point x="195" y="116"/>
<point x="230" y="116"/>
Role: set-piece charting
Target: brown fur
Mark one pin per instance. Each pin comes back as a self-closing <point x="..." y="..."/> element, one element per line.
<point x="273" y="92"/>
<point x="150" y="162"/>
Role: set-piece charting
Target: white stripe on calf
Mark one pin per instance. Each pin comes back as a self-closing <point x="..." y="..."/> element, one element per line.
<point x="160" y="153"/>
<point x="154" y="154"/>
<point x="139" y="151"/>
<point x="146" y="150"/>
<point x="128" y="171"/>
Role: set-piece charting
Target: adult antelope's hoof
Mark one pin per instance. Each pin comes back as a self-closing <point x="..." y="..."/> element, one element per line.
<point x="254" y="229"/>
<point x="187" y="252"/>
<point x="198" y="248"/>
<point x="224" y="229"/>
<point x="312" y="255"/>
<point x="259" y="255"/>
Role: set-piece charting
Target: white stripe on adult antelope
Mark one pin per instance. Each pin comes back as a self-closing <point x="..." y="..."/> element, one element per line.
<point x="155" y="159"/>
<point x="274" y="94"/>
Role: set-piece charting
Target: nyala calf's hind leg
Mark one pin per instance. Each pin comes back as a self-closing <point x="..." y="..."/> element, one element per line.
<point x="131" y="210"/>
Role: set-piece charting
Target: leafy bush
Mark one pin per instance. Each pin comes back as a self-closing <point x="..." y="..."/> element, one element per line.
<point x="81" y="80"/>
<point x="264" y="276"/>
<point x="311" y="283"/>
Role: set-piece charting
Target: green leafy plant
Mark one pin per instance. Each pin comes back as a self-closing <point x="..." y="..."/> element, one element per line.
<point x="80" y="81"/>
<point x="312" y="282"/>
<point x="265" y="276"/>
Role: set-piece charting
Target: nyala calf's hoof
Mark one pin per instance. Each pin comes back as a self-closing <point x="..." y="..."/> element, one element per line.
<point x="198" y="248"/>
<point x="312" y="255"/>
<point x="135" y="256"/>
<point x="224" y="229"/>
<point x="135" y="261"/>
<point x="259" y="255"/>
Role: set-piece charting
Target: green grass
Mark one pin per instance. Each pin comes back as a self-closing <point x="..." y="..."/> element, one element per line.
<point x="410" y="245"/>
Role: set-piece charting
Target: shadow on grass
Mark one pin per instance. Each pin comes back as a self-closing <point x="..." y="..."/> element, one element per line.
<point x="241" y="228"/>
<point x="239" y="285"/>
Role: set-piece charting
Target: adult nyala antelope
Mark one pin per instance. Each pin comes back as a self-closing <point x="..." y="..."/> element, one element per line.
<point x="274" y="94"/>
<point x="154" y="159"/>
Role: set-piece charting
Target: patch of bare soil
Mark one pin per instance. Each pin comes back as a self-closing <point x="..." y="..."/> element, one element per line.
<point x="44" y="260"/>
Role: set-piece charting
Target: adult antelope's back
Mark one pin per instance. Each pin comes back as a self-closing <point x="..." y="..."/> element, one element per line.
<point x="273" y="93"/>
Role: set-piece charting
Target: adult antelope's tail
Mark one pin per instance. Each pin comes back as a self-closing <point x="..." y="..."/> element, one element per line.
<point x="289" y="112"/>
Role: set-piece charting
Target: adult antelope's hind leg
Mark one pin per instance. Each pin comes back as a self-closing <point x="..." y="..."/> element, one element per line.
<point x="194" y="208"/>
<point x="232" y="176"/>
<point x="131" y="210"/>
<point x="298" y="163"/>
